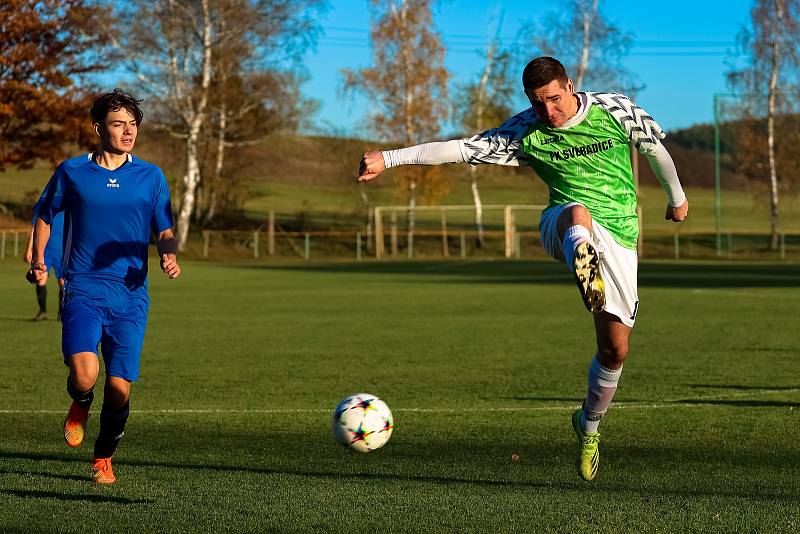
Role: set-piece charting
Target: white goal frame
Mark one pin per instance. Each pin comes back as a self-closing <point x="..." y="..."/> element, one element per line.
<point x="510" y="247"/>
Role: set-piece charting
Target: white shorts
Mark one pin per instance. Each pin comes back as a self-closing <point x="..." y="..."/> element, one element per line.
<point x="618" y="265"/>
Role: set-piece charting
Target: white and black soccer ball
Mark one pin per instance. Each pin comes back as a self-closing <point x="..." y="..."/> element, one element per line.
<point x="362" y="422"/>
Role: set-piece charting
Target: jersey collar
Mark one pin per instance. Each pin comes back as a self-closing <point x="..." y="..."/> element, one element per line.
<point x="583" y="110"/>
<point x="90" y="156"/>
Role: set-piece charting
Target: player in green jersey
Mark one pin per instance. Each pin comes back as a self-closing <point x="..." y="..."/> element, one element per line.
<point x="578" y="144"/>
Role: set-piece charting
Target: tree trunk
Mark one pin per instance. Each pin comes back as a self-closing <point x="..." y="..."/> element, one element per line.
<point x="583" y="64"/>
<point x="408" y="102"/>
<point x="222" y="126"/>
<point x="190" y="181"/>
<point x="476" y="199"/>
<point x="479" y="104"/>
<point x="192" y="177"/>
<point x="773" y="83"/>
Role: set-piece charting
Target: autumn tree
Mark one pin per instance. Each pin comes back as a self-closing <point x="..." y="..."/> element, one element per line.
<point x="407" y="86"/>
<point x="49" y="47"/>
<point x="589" y="45"/>
<point x="200" y="60"/>
<point x="771" y="51"/>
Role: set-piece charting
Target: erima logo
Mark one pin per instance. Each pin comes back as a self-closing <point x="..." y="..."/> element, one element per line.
<point x="112" y="182"/>
<point x="635" y="309"/>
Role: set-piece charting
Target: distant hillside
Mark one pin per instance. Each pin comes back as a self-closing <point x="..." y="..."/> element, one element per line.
<point x="332" y="161"/>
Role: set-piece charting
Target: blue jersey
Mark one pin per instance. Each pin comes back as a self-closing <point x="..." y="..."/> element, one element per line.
<point x="108" y="218"/>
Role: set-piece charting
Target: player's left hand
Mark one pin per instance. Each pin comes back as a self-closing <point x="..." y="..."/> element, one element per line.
<point x="169" y="264"/>
<point x="677" y="214"/>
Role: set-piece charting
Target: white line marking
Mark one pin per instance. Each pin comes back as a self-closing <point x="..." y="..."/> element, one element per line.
<point x="688" y="403"/>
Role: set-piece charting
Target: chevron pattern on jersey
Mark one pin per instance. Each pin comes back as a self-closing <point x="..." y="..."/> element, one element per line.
<point x="642" y="129"/>
<point x="501" y="145"/>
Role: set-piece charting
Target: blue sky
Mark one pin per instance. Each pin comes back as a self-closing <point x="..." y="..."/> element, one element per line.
<point x="679" y="52"/>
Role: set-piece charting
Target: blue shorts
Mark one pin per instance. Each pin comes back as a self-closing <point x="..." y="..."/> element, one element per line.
<point x="118" y="329"/>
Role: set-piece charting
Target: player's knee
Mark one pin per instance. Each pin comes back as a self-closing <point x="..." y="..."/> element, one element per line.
<point x="82" y="381"/>
<point x="572" y="215"/>
<point x="614" y="354"/>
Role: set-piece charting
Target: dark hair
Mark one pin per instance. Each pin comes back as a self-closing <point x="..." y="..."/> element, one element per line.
<point x="116" y="101"/>
<point x="543" y="70"/>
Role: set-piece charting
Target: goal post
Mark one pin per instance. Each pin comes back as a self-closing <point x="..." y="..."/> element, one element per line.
<point x="509" y="211"/>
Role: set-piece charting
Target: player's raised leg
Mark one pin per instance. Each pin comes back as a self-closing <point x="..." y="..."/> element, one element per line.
<point x="604" y="373"/>
<point x="580" y="255"/>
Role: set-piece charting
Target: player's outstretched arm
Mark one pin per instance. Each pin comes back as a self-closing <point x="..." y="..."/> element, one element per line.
<point x="375" y="162"/>
<point x="167" y="252"/>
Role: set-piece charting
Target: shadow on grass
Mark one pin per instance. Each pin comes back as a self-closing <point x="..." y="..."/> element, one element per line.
<point x="743" y="403"/>
<point x="35" y="494"/>
<point x="576" y="485"/>
<point x="686" y="275"/>
<point x="43" y="475"/>
<point x="743" y="387"/>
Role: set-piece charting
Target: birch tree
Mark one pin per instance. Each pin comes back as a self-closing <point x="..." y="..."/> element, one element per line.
<point x="483" y="104"/>
<point x="772" y="50"/>
<point x="407" y="83"/>
<point x="174" y="48"/>
<point x="589" y="45"/>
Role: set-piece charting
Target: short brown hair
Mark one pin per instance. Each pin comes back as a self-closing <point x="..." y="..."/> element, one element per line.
<point x="115" y="101"/>
<point x="543" y="70"/>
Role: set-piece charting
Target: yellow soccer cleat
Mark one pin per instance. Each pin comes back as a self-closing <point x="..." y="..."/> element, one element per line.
<point x="75" y="424"/>
<point x="102" y="472"/>
<point x="588" y="448"/>
<point x="586" y="268"/>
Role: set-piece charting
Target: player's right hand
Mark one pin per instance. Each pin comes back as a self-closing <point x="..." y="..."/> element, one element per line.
<point x="371" y="165"/>
<point x="37" y="272"/>
<point x="677" y="214"/>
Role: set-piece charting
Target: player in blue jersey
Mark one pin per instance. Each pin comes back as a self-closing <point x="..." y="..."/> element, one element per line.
<point x="111" y="203"/>
<point x="52" y="258"/>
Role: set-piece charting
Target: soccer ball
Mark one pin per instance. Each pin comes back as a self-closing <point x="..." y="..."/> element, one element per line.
<point x="362" y="422"/>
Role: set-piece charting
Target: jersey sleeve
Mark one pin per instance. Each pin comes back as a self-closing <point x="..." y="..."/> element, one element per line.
<point x="642" y="129"/>
<point x="501" y="145"/>
<point x="161" y="218"/>
<point x="51" y="200"/>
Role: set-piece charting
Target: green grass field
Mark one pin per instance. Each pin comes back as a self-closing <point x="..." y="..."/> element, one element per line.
<point x="230" y="425"/>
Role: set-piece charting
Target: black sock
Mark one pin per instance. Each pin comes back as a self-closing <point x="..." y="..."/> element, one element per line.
<point x="112" y="428"/>
<point x="83" y="398"/>
<point x="41" y="298"/>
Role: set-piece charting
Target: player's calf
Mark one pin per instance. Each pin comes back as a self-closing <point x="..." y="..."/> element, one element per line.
<point x="112" y="428"/>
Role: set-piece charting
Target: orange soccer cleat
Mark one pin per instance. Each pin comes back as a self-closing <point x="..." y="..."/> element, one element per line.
<point x="75" y="424"/>
<point x="102" y="472"/>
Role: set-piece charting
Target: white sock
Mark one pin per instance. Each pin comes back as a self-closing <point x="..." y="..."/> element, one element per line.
<point x="602" y="386"/>
<point x="574" y="236"/>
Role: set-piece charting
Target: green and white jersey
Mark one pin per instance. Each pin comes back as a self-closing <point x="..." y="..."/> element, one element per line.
<point x="587" y="160"/>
